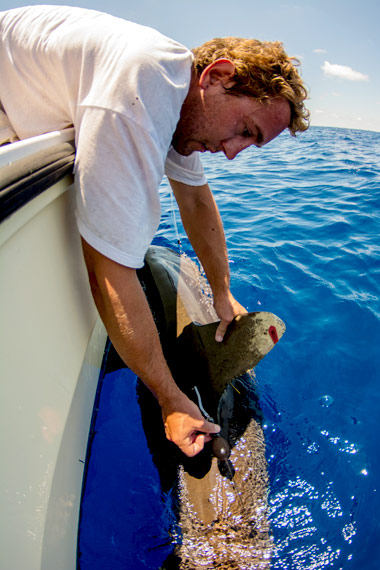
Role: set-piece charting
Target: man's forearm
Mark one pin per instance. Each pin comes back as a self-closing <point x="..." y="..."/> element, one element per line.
<point x="203" y="225"/>
<point x="124" y="310"/>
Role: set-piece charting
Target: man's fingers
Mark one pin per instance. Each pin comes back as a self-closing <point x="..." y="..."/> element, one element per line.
<point x="210" y="428"/>
<point x="198" y="444"/>
<point x="207" y="431"/>
<point x="195" y="442"/>
<point x="198" y="440"/>
<point x="227" y="309"/>
<point x="188" y="429"/>
<point x="221" y="331"/>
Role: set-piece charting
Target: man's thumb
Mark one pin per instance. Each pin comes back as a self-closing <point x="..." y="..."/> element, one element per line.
<point x="220" y="331"/>
<point x="209" y="427"/>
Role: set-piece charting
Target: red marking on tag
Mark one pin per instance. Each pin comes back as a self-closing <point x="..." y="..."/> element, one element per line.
<point x="273" y="334"/>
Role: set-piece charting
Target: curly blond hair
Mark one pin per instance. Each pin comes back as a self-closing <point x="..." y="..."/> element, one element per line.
<point x="263" y="70"/>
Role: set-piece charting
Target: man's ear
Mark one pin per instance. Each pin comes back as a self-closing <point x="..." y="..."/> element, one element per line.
<point x="220" y="71"/>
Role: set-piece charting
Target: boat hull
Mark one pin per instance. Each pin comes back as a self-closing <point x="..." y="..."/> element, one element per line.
<point x="52" y="345"/>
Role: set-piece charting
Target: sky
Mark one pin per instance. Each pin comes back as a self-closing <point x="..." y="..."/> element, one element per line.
<point x="337" y="42"/>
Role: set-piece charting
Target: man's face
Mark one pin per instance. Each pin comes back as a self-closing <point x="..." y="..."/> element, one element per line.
<point x="219" y="122"/>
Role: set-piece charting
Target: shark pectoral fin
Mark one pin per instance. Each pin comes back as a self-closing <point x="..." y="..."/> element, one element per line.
<point x="248" y="339"/>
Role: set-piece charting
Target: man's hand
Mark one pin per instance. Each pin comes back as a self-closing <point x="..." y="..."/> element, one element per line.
<point x="227" y="308"/>
<point x="186" y="427"/>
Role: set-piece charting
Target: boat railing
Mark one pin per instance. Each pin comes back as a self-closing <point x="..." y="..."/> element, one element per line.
<point x="23" y="176"/>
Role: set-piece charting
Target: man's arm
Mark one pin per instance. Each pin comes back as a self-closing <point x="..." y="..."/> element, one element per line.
<point x="125" y="312"/>
<point x="203" y="225"/>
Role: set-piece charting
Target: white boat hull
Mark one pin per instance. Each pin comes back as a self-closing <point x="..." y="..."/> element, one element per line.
<point x="52" y="345"/>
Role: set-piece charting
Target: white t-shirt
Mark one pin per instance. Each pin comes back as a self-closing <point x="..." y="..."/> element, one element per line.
<point x="122" y="86"/>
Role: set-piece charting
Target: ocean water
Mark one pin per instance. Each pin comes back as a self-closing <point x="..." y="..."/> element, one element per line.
<point x="302" y="222"/>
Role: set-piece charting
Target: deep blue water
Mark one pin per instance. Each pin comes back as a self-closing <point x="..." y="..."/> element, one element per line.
<point x="302" y="220"/>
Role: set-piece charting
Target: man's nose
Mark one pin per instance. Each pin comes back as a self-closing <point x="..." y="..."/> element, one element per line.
<point x="232" y="147"/>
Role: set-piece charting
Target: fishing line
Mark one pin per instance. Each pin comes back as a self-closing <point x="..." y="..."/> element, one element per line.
<point x="174" y="218"/>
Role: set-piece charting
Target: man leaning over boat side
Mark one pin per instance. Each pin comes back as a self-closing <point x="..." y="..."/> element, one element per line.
<point x="142" y="106"/>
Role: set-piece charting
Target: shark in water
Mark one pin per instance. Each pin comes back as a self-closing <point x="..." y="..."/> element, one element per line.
<point x="222" y="509"/>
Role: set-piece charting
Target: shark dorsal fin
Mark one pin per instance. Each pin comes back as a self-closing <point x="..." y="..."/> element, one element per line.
<point x="248" y="339"/>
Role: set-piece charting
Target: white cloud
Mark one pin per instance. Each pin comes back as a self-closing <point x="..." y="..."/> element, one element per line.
<point x="319" y="50"/>
<point x="343" y="72"/>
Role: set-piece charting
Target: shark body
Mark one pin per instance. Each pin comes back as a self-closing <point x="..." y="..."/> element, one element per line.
<point x="222" y="508"/>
